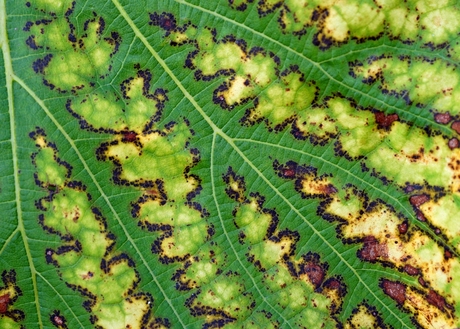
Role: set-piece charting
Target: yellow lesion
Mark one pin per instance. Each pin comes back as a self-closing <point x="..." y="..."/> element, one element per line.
<point x="253" y="223"/>
<point x="185" y="240"/>
<point x="50" y="172"/>
<point x="161" y="156"/>
<point x="55" y="6"/>
<point x="442" y="213"/>
<point x="76" y="60"/>
<point x="69" y="212"/>
<point x="414" y="248"/>
<point x="426" y="82"/>
<point x="363" y="318"/>
<point x="271" y="249"/>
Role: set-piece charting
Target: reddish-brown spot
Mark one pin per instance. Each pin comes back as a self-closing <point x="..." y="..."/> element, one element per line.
<point x="58" y="320"/>
<point x="422" y="282"/>
<point x="409" y="269"/>
<point x="456" y="126"/>
<point x="443" y="118"/>
<point x="420" y="216"/>
<point x="288" y="172"/>
<point x="152" y="192"/>
<point x="385" y="121"/>
<point x="418" y="200"/>
<point x="315" y="273"/>
<point x="403" y="227"/>
<point x="396" y="290"/>
<point x="333" y="284"/>
<point x="453" y="143"/>
<point x="436" y="300"/>
<point x="372" y="249"/>
<point x="328" y="189"/>
<point x="129" y="136"/>
<point x="447" y="254"/>
<point x="4" y="301"/>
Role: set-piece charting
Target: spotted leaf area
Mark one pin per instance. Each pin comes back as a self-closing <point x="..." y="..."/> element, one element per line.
<point x="86" y="261"/>
<point x="229" y="164"/>
<point x="10" y="317"/>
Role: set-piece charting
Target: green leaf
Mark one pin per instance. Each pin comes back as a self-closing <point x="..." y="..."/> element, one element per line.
<point x="232" y="163"/>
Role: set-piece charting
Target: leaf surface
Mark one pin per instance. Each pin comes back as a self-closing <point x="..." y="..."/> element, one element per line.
<point x="240" y="164"/>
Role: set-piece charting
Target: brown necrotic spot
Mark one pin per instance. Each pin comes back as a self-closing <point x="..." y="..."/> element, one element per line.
<point x="453" y="143"/>
<point x="402" y="228"/>
<point x="372" y="250"/>
<point x="385" y="121"/>
<point x="443" y="118"/>
<point x="315" y="273"/>
<point x="129" y="136"/>
<point x="456" y="126"/>
<point x="409" y="269"/>
<point x="437" y="300"/>
<point x="419" y="199"/>
<point x="4" y="302"/>
<point x="396" y="290"/>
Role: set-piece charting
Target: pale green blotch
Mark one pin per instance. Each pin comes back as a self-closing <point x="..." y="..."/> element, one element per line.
<point x="214" y="57"/>
<point x="345" y="206"/>
<point x="101" y="111"/>
<point x="362" y="17"/>
<point x="98" y="51"/>
<point x="443" y="214"/>
<point x="317" y="122"/>
<point x="54" y="37"/>
<point x="185" y="240"/>
<point x="68" y="69"/>
<point x="359" y="19"/>
<point x="440" y="24"/>
<point x="359" y="135"/>
<point x="226" y="293"/>
<point x="204" y="270"/>
<point x="48" y="170"/>
<point x="285" y="98"/>
<point x="276" y="278"/>
<point x="77" y="273"/>
<point x="346" y="116"/>
<point x="72" y="66"/>
<point x="269" y="253"/>
<point x="403" y="23"/>
<point x="426" y="82"/>
<point x="126" y="314"/>
<point x="316" y="318"/>
<point x="56" y="6"/>
<point x="69" y="212"/>
<point x="8" y="323"/>
<point x="172" y="213"/>
<point x="116" y="283"/>
<point x="139" y="109"/>
<point x="257" y="320"/>
<point x="94" y="242"/>
<point x="68" y="259"/>
<point x="260" y="69"/>
<point x="162" y="157"/>
<point x="298" y="16"/>
<point x="252" y="222"/>
<point x="393" y="157"/>
<point x="237" y="90"/>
